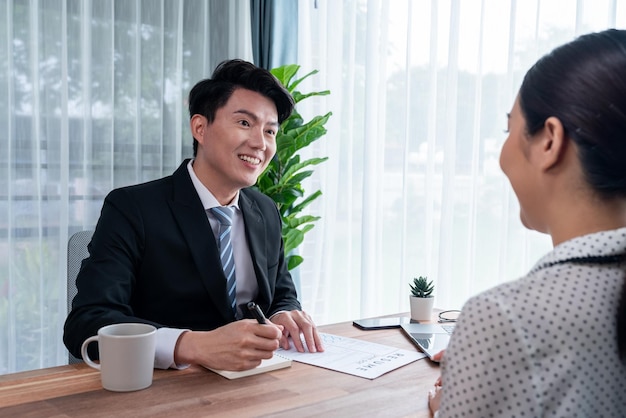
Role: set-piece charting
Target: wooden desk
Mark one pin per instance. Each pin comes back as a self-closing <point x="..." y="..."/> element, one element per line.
<point x="299" y="391"/>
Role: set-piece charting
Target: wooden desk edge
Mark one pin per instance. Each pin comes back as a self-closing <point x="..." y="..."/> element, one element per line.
<point x="56" y="382"/>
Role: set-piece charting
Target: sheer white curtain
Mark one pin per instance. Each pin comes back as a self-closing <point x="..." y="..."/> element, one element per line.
<point x="419" y="95"/>
<point x="92" y="97"/>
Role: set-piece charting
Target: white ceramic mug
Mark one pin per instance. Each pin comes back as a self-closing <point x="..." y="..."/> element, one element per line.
<point x="126" y="356"/>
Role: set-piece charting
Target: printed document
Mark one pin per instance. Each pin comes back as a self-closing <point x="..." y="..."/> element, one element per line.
<point x="353" y="356"/>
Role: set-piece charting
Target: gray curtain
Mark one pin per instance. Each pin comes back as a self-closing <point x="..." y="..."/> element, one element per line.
<point x="274" y="32"/>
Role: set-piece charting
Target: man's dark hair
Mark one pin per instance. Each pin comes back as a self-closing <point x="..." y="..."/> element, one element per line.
<point x="210" y="94"/>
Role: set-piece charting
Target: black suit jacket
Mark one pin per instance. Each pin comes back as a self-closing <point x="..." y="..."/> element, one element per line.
<point x="154" y="259"/>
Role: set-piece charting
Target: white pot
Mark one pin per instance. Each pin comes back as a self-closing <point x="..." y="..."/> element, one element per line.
<point x="421" y="308"/>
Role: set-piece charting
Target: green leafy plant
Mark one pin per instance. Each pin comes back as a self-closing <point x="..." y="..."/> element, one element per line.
<point x="421" y="287"/>
<point x="282" y="180"/>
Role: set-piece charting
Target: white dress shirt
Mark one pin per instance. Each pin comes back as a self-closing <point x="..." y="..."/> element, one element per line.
<point x="247" y="287"/>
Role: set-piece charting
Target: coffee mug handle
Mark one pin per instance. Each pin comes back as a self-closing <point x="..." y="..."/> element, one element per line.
<point x="83" y="351"/>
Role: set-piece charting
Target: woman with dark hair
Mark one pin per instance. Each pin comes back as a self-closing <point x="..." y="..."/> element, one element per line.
<point x="553" y="343"/>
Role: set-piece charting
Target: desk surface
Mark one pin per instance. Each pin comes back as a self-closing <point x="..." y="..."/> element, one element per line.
<point x="298" y="391"/>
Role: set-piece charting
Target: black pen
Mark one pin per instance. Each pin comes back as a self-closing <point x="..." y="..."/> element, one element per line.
<point x="257" y="312"/>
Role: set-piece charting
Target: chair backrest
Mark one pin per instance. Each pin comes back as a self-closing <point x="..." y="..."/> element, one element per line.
<point x="76" y="253"/>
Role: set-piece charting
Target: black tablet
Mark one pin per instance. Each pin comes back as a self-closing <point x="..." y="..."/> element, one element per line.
<point x="381" y="323"/>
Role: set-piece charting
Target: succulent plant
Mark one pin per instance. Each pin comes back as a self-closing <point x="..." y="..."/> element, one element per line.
<point x="421" y="287"/>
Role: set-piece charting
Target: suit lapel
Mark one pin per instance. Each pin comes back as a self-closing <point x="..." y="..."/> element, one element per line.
<point x="191" y="217"/>
<point x="255" y="234"/>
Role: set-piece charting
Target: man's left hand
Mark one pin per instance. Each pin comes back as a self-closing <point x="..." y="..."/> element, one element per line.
<point x="296" y="323"/>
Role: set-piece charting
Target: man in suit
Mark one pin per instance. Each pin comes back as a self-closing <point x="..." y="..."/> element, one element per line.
<point x="154" y="254"/>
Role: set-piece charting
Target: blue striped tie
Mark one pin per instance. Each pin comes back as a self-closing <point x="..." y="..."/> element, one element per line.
<point x="224" y="215"/>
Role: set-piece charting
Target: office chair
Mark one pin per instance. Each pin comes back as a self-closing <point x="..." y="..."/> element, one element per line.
<point x="76" y="253"/>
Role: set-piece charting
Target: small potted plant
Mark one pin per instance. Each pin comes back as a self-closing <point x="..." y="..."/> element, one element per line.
<point x="421" y="298"/>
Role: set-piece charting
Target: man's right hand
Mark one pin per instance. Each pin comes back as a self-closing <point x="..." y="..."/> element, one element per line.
<point x="240" y="345"/>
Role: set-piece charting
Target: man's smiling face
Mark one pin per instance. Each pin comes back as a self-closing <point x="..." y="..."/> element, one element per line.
<point x="237" y="147"/>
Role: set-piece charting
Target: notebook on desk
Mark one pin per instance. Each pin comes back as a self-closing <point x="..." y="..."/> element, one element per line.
<point x="275" y="363"/>
<point x="429" y="338"/>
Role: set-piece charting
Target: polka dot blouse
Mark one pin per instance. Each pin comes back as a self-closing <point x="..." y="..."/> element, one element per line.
<point x="544" y="345"/>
